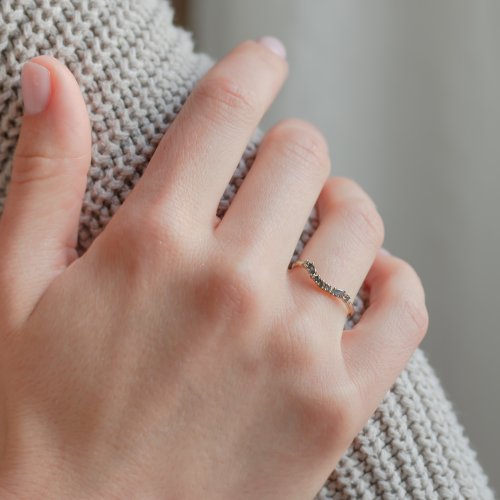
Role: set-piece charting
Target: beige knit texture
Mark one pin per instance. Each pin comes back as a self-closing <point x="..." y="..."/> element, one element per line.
<point x="135" y="71"/>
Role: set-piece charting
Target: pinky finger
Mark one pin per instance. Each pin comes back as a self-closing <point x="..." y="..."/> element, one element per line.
<point x="378" y="348"/>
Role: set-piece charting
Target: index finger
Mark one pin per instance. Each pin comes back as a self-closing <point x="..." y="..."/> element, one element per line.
<point x="199" y="153"/>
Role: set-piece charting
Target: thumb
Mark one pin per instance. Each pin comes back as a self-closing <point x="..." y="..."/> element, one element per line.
<point x="38" y="228"/>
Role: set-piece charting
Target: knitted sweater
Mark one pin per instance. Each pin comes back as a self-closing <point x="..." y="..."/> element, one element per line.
<point x="135" y="71"/>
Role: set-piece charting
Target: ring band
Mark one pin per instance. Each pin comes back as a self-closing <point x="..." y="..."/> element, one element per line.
<point x="336" y="292"/>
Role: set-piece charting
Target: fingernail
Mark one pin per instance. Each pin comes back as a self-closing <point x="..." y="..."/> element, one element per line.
<point x="274" y="45"/>
<point x="35" y="82"/>
<point x="384" y="251"/>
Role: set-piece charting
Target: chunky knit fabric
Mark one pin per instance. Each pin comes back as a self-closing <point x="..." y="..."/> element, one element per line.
<point x="135" y="71"/>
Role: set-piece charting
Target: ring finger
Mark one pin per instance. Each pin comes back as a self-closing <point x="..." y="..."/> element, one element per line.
<point x="343" y="247"/>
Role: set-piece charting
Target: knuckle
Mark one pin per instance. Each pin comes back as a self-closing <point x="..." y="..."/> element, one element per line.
<point x="227" y="98"/>
<point x="240" y="285"/>
<point x="28" y="168"/>
<point x="343" y="185"/>
<point x="329" y="415"/>
<point x="143" y="238"/>
<point x="363" y="216"/>
<point x="303" y="145"/>
<point x="413" y="316"/>
<point x="404" y="269"/>
<point x="155" y="226"/>
<point x="336" y="188"/>
<point x="325" y="411"/>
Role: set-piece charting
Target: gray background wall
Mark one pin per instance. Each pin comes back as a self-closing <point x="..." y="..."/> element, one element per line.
<point x="408" y="96"/>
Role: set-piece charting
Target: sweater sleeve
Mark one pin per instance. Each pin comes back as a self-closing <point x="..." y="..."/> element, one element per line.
<point x="412" y="448"/>
<point x="135" y="70"/>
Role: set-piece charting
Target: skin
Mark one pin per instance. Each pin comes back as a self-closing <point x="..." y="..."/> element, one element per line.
<point x="179" y="356"/>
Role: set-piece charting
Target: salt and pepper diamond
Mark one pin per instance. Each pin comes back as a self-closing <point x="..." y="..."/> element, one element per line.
<point x="337" y="292"/>
<point x="310" y="267"/>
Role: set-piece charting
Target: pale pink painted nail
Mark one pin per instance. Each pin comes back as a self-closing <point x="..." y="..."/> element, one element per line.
<point x="274" y="45"/>
<point x="384" y="251"/>
<point x="35" y="82"/>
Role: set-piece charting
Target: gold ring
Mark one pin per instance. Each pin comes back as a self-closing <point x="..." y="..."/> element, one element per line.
<point x="336" y="292"/>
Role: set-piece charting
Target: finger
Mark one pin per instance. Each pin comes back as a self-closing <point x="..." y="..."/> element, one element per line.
<point x="378" y="348"/>
<point x="279" y="193"/>
<point x="200" y="151"/>
<point x="38" y="229"/>
<point x="343" y="247"/>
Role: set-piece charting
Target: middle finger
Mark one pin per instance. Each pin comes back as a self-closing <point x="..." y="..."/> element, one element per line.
<point x="272" y="206"/>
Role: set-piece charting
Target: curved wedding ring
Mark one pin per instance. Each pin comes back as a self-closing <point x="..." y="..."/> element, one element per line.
<point x="336" y="292"/>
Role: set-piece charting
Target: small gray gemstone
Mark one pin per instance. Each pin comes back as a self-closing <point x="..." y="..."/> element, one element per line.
<point x="328" y="288"/>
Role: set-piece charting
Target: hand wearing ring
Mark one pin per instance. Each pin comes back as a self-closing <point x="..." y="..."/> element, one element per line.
<point x="179" y="357"/>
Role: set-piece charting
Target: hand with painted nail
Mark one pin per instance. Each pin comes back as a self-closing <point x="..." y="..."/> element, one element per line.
<point x="179" y="350"/>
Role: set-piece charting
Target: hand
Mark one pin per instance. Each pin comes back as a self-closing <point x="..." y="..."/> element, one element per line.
<point x="178" y="357"/>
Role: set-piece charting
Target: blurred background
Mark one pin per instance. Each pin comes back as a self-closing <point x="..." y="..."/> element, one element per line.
<point x="408" y="96"/>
